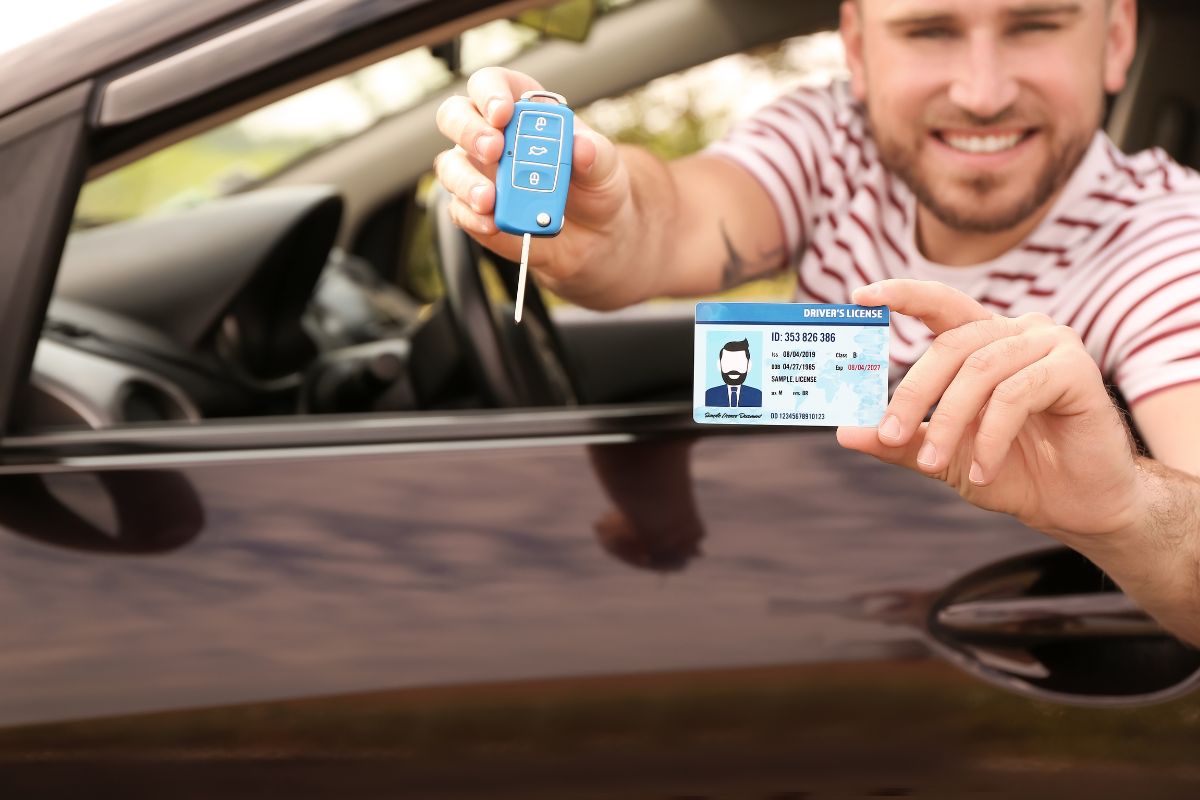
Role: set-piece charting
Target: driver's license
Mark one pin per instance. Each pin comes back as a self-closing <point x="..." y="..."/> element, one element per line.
<point x="790" y="364"/>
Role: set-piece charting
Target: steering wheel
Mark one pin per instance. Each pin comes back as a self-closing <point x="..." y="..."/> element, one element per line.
<point x="515" y="365"/>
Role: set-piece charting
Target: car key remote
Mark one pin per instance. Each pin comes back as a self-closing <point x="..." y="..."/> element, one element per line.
<point x="534" y="173"/>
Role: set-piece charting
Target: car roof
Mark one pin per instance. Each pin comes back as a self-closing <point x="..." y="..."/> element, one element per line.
<point x="107" y="39"/>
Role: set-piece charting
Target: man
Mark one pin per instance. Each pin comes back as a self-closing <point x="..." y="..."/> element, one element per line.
<point x="733" y="362"/>
<point x="961" y="181"/>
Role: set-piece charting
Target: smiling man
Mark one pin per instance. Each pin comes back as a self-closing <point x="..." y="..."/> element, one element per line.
<point x="960" y="178"/>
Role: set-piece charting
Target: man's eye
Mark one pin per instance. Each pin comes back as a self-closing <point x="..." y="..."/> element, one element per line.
<point x="930" y="33"/>
<point x="1035" y="27"/>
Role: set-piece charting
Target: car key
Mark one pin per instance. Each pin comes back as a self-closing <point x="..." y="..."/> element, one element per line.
<point x="534" y="173"/>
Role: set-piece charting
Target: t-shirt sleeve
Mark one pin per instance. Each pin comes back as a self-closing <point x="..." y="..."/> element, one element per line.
<point x="789" y="147"/>
<point x="1155" y="344"/>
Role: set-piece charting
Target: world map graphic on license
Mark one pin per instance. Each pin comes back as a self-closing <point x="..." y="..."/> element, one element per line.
<point x="845" y="388"/>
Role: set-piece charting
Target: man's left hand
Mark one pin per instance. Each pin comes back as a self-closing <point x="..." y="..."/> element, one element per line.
<point x="1023" y="424"/>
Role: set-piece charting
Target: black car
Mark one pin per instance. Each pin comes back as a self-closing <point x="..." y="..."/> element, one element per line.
<point x="291" y="508"/>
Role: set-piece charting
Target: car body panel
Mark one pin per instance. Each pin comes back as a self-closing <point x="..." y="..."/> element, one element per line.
<point x="441" y="609"/>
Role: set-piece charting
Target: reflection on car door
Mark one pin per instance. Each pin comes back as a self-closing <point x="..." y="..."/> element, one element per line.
<point x="574" y="603"/>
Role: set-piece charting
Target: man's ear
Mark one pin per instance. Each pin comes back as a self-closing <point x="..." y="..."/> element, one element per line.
<point x="852" y="42"/>
<point x="1120" y="44"/>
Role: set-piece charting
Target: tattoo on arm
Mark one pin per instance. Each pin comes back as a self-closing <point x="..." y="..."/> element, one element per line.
<point x="738" y="269"/>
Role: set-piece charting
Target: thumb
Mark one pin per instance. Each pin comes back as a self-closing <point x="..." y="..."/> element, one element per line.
<point x="595" y="156"/>
<point x="866" y="440"/>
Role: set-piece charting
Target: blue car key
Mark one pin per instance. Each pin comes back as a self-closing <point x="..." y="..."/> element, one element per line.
<point x="534" y="172"/>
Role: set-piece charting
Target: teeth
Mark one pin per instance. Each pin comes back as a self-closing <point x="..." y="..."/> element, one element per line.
<point x="983" y="144"/>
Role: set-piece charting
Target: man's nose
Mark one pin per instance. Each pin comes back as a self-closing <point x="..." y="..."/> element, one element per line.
<point x="984" y="87"/>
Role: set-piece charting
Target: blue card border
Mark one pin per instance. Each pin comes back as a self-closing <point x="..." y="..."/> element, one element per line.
<point x="790" y="314"/>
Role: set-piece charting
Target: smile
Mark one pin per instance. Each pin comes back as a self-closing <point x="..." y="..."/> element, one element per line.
<point x="983" y="145"/>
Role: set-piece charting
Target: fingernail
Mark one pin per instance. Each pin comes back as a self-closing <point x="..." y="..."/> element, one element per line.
<point x="976" y="474"/>
<point x="890" y="429"/>
<point x="476" y="195"/>
<point x="928" y="455"/>
<point x="492" y="107"/>
<point x="481" y="142"/>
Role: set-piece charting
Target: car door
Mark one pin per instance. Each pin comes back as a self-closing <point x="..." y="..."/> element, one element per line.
<point x="596" y="601"/>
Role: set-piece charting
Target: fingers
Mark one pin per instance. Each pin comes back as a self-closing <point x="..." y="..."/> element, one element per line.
<point x="460" y="121"/>
<point x="997" y="389"/>
<point x="984" y="378"/>
<point x="1057" y="384"/>
<point x="1029" y="391"/>
<point x="991" y="378"/>
<point x="481" y="225"/>
<point x="495" y="90"/>
<point x="866" y="441"/>
<point x="475" y="122"/>
<point x="467" y="179"/>
<point x="927" y="380"/>
<point x="937" y="305"/>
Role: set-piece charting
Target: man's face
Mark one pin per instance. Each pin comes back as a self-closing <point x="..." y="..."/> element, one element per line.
<point x="735" y="365"/>
<point x="985" y="107"/>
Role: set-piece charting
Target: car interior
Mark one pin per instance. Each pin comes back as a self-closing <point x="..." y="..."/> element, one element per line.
<point x="337" y="284"/>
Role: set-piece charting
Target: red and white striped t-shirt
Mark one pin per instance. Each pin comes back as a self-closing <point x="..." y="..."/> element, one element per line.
<point x="1117" y="258"/>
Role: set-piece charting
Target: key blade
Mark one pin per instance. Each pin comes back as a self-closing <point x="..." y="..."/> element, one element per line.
<point x="521" y="278"/>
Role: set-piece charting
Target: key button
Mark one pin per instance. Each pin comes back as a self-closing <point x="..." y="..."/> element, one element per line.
<point x="539" y="151"/>
<point x="540" y="123"/>
<point x="533" y="176"/>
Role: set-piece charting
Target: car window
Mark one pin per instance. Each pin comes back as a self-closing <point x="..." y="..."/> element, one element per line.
<point x="317" y="350"/>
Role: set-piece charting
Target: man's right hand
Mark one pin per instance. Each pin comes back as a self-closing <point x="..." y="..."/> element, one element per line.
<point x="599" y="203"/>
<point x="635" y="226"/>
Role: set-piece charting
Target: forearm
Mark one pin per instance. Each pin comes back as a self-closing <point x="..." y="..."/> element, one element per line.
<point x="1156" y="560"/>
<point x="690" y="227"/>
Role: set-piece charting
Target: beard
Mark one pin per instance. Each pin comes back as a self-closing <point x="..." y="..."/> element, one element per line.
<point x="971" y="211"/>
<point x="734" y="378"/>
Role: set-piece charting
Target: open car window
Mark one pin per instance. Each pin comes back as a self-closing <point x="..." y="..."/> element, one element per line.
<point x="208" y="281"/>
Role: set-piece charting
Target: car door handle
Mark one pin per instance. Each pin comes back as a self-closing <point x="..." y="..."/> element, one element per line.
<point x="1050" y="624"/>
<point x="1107" y="614"/>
